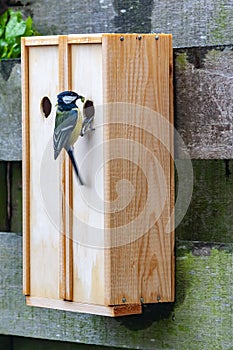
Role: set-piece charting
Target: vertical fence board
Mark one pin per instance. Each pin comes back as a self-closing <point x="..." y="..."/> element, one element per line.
<point x="3" y="202"/>
<point x="16" y="197"/>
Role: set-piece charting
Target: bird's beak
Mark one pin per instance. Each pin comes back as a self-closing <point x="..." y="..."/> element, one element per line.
<point x="82" y="99"/>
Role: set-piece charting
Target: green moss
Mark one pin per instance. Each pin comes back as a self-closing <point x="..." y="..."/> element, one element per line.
<point x="221" y="23"/>
<point x="181" y="60"/>
<point x="202" y="313"/>
<point x="201" y="317"/>
<point x="209" y="215"/>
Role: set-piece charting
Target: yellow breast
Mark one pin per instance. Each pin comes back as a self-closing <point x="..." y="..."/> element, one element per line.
<point x="76" y="132"/>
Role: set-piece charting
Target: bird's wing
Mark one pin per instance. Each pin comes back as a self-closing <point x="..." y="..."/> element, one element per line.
<point x="87" y="122"/>
<point x="64" y="125"/>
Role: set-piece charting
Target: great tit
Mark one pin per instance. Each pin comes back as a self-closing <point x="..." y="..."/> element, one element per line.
<point x="88" y="115"/>
<point x="68" y="125"/>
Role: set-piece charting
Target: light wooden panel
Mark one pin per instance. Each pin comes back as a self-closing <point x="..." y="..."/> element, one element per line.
<point x="137" y="72"/>
<point x="66" y="189"/>
<point x="44" y="175"/>
<point x="25" y="168"/>
<point x="72" y="39"/>
<point x="88" y="231"/>
<point x="117" y="310"/>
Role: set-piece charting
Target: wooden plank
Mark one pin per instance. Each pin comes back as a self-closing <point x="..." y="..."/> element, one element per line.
<point x="140" y="252"/>
<point x="10" y="120"/>
<point x="3" y="206"/>
<point x="121" y="310"/>
<point x="202" y="77"/>
<point x="89" y="278"/>
<point x="44" y="175"/>
<point x="208" y="215"/>
<point x="55" y="39"/>
<point x="41" y="40"/>
<point x="204" y="87"/>
<point x="66" y="218"/>
<point x="25" y="166"/>
<point x="16" y="197"/>
<point x="192" y="24"/>
<point x="85" y="38"/>
<point x="172" y="168"/>
<point x="204" y="290"/>
<point x="36" y="344"/>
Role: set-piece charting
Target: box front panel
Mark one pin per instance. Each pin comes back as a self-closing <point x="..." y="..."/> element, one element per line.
<point x="88" y="200"/>
<point x="44" y="175"/>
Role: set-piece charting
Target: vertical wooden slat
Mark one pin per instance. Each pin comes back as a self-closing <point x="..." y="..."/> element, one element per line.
<point x="62" y="43"/>
<point x="66" y="260"/>
<point x="136" y="72"/>
<point x="16" y="197"/>
<point x="26" y="166"/>
<point x="172" y="172"/>
<point x="3" y="207"/>
<point x="44" y="175"/>
<point x="69" y="243"/>
<point x="88" y="204"/>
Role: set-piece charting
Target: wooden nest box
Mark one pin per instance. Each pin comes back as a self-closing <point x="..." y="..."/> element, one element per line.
<point x="105" y="247"/>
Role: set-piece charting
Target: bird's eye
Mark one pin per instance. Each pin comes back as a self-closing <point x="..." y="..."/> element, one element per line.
<point x="46" y="106"/>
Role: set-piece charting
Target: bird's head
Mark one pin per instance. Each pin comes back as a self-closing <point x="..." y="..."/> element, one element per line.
<point x="68" y="98"/>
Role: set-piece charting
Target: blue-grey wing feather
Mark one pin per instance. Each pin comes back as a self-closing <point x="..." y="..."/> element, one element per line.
<point x="63" y="130"/>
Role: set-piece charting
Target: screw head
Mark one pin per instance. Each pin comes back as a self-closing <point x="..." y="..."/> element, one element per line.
<point x="142" y="300"/>
<point x="122" y="38"/>
<point x="156" y="37"/>
<point x="139" y="37"/>
<point x="158" y="298"/>
<point x="124" y="300"/>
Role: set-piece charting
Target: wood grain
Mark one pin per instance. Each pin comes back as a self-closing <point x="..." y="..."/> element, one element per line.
<point x="16" y="197"/>
<point x="56" y="39"/>
<point x="89" y="277"/>
<point x="142" y="267"/>
<point x="26" y="166"/>
<point x="198" y="278"/>
<point x="117" y="310"/>
<point x="192" y="24"/>
<point x="172" y="169"/>
<point x="4" y="224"/>
<point x="66" y="229"/>
<point x="10" y="120"/>
<point x="44" y="175"/>
<point x="202" y="78"/>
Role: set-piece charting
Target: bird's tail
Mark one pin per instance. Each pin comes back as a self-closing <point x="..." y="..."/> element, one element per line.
<point x="71" y="155"/>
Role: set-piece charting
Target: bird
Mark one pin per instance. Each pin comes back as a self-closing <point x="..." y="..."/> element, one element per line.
<point x="68" y="125"/>
<point x="88" y="115"/>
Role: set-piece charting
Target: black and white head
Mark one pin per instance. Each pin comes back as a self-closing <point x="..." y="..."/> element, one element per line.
<point x="66" y="98"/>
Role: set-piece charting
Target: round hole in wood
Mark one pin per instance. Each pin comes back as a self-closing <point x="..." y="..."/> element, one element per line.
<point x="46" y="106"/>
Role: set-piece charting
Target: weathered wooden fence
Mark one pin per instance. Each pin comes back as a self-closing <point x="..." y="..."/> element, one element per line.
<point x="201" y="317"/>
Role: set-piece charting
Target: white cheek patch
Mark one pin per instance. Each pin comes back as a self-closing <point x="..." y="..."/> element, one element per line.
<point x="68" y="99"/>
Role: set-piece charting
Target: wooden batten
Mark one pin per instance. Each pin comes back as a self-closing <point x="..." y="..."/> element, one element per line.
<point x="54" y="40"/>
<point x="81" y="253"/>
<point x="111" y="311"/>
<point x="26" y="167"/>
<point x="66" y="230"/>
<point x="172" y="171"/>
